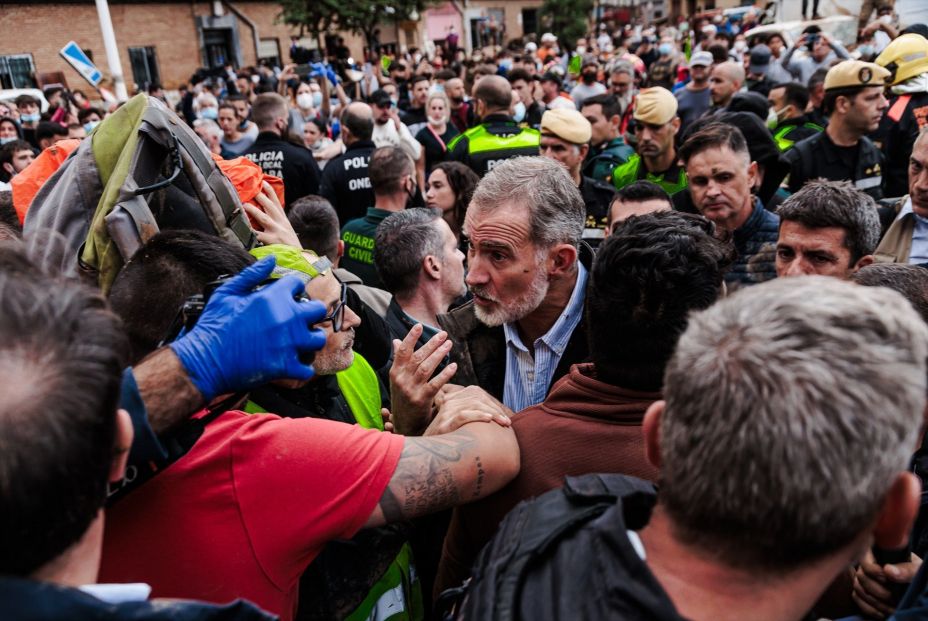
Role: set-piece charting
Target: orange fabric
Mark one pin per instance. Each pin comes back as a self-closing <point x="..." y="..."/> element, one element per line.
<point x="247" y="176"/>
<point x="28" y="183"/>
<point x="895" y="113"/>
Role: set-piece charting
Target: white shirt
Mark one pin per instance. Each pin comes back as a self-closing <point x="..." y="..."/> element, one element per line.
<point x="386" y="135"/>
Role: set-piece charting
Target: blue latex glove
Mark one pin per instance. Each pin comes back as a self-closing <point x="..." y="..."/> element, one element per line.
<point x="330" y="74"/>
<point x="245" y="339"/>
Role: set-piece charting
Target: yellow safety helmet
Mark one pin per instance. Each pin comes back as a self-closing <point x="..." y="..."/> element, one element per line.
<point x="906" y="57"/>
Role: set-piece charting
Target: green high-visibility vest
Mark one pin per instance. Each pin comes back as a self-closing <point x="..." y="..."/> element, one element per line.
<point x="631" y="171"/>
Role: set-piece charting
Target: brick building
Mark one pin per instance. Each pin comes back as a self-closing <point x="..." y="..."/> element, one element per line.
<point x="166" y="41"/>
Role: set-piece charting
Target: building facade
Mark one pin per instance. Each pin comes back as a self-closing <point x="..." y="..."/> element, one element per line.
<point x="166" y="42"/>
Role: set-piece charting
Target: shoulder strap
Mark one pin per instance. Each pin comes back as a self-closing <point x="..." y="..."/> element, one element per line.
<point x="176" y="444"/>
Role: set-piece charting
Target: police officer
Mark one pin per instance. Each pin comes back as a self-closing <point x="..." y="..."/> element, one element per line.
<point x="656" y="126"/>
<point x="345" y="181"/>
<point x="278" y="156"/>
<point x="498" y="137"/>
<point x="907" y="60"/>
<point x="855" y="103"/>
<point x="788" y="101"/>
<point x="565" y="137"/>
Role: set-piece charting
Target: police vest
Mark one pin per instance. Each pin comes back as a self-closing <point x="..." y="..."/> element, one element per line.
<point x="485" y="146"/>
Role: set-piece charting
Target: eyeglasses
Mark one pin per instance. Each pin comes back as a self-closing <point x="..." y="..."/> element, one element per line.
<point x="338" y="313"/>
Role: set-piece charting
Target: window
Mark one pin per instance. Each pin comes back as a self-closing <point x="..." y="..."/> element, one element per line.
<point x="17" y="71"/>
<point x="529" y="21"/>
<point x="269" y="51"/>
<point x="144" y="66"/>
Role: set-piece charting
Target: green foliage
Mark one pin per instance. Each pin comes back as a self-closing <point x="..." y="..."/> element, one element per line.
<point x="359" y="16"/>
<point x="568" y="19"/>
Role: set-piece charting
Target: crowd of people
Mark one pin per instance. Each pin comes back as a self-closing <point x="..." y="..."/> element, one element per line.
<point x="630" y="330"/>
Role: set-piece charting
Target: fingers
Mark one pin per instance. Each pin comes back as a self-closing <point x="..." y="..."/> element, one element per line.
<point x="444" y="377"/>
<point x="249" y="278"/>
<point x="431" y="346"/>
<point x="268" y="199"/>
<point x="428" y="366"/>
<point x="257" y="216"/>
<point x="903" y="572"/>
<point x="874" y="588"/>
<point x="402" y="350"/>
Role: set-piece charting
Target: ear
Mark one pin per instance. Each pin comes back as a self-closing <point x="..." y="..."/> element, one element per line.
<point x="124" y="436"/>
<point x="340" y="250"/>
<point x="9" y="169"/>
<point x="676" y="125"/>
<point x="864" y="261"/>
<point x="584" y="149"/>
<point x="898" y="513"/>
<point x="651" y="428"/>
<point x="563" y="258"/>
<point x="752" y="174"/>
<point x="615" y="121"/>
<point x="432" y="267"/>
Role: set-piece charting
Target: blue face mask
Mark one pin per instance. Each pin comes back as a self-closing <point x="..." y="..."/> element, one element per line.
<point x="665" y="49"/>
<point x="30" y="118"/>
<point x="865" y="50"/>
<point x="6" y="140"/>
<point x="88" y="126"/>
<point x="317" y="99"/>
<point x="519" y="112"/>
<point x="209" y="113"/>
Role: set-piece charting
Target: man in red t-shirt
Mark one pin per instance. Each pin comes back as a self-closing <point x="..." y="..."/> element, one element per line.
<point x="246" y="510"/>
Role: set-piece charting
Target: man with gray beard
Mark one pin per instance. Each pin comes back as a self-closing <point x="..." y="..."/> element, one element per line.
<point x="527" y="271"/>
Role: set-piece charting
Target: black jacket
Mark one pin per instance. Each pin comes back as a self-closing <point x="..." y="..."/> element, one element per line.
<point x="899" y="128"/>
<point x="29" y="600"/>
<point x="597" y="196"/>
<point x="480" y="350"/>
<point x="291" y="162"/>
<point x="345" y="182"/>
<point x="566" y="555"/>
<point x="817" y="156"/>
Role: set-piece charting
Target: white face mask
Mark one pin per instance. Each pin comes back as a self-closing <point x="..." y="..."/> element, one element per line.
<point x="305" y="100"/>
<point x="518" y="113"/>
<point x="772" y="118"/>
<point x="741" y="45"/>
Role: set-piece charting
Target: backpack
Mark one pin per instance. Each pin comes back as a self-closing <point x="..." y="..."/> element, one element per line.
<point x="528" y="538"/>
<point x="142" y="169"/>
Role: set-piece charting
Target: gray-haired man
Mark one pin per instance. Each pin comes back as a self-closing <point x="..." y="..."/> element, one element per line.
<point x="527" y="270"/>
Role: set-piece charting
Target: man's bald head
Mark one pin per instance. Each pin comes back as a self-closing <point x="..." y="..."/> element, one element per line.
<point x="358" y="119"/>
<point x="731" y="70"/>
<point x="725" y="80"/>
<point x="495" y="92"/>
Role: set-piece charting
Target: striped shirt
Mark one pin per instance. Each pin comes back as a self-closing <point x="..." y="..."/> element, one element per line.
<point x="529" y="377"/>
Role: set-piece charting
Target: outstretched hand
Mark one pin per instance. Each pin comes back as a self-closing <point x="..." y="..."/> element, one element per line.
<point x="246" y="338"/>
<point x="411" y="389"/>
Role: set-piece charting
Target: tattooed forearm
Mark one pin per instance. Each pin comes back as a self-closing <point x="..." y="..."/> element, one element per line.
<point x="425" y="479"/>
<point x="478" y="486"/>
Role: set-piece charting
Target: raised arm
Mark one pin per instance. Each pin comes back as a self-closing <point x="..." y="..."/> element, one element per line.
<point x="440" y="472"/>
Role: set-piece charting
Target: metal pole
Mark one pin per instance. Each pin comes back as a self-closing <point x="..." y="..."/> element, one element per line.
<point x="112" y="52"/>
